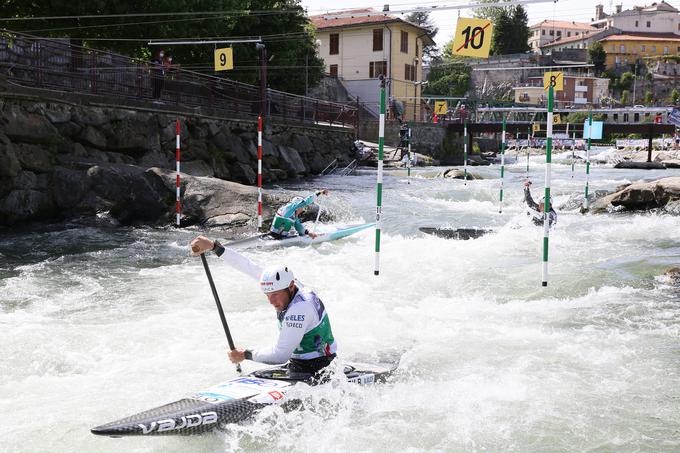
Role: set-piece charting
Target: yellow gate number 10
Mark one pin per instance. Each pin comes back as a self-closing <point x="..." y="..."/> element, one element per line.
<point x="224" y="59"/>
<point x="473" y="38"/>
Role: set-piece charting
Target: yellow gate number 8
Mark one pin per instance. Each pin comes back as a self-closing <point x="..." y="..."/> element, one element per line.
<point x="553" y="79"/>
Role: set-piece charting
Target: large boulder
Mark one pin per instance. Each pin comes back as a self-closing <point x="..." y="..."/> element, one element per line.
<point x="641" y="196"/>
<point x="629" y="164"/>
<point x="133" y="136"/>
<point x="29" y="128"/>
<point x="216" y="202"/>
<point x="457" y="173"/>
<point x="292" y="161"/>
<point x="9" y="163"/>
<point x="91" y="136"/>
<point x="133" y="195"/>
<point x="35" y="158"/>
<point x="24" y="206"/>
<point x="70" y="187"/>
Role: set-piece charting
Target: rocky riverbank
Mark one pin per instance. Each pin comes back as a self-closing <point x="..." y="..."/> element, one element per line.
<point x="60" y="160"/>
<point x="660" y="194"/>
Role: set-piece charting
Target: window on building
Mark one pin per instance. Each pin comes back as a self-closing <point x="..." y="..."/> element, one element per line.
<point x="543" y="32"/>
<point x="642" y="49"/>
<point x="616" y="117"/>
<point x="552" y="32"/>
<point x="636" y="117"/>
<point x="334" y="44"/>
<point x="613" y="48"/>
<point x="333" y="70"/>
<point x="637" y="24"/>
<point x="625" y="117"/>
<point x="375" y="68"/>
<point x="665" y="50"/>
<point x="622" y="48"/>
<point x="679" y="49"/>
<point x="559" y="32"/>
<point x="377" y="39"/>
<point x="404" y="42"/>
<point x="409" y="72"/>
<point x="568" y="34"/>
<point x="649" y="24"/>
<point x="653" y="49"/>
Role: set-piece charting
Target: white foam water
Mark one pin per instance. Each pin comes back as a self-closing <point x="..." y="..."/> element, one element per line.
<point x="98" y="323"/>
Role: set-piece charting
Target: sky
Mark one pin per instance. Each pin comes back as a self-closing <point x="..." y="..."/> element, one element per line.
<point x="569" y="10"/>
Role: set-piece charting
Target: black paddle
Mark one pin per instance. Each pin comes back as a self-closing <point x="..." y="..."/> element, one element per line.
<point x="219" y="307"/>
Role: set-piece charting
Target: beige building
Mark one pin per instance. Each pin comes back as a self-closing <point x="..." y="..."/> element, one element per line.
<point x="578" y="91"/>
<point x="359" y="48"/>
<point x="659" y="17"/>
<point x="551" y="30"/>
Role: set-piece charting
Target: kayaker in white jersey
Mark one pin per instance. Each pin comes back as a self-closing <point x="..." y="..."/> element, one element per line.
<point x="305" y="336"/>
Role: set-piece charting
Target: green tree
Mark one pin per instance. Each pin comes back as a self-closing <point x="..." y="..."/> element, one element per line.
<point x="502" y="33"/>
<point x="675" y="96"/>
<point x="649" y="97"/>
<point x="292" y="48"/>
<point x="625" y="82"/>
<point x="448" y="79"/>
<point x="511" y="31"/>
<point x="488" y="12"/>
<point x="520" y="24"/>
<point x="625" y="97"/>
<point x="597" y="56"/>
<point x="422" y="19"/>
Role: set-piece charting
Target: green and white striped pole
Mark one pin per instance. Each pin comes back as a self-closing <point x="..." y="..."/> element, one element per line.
<point x="408" y="163"/>
<point x="546" y="204"/>
<point x="500" y="207"/>
<point x="381" y="144"/>
<point x="573" y="148"/>
<point x="465" y="152"/>
<point x="528" y="148"/>
<point x="586" y="204"/>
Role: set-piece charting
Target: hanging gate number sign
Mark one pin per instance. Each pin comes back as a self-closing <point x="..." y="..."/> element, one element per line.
<point x="473" y="37"/>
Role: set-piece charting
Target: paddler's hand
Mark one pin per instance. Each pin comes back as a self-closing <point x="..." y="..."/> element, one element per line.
<point x="201" y="245"/>
<point x="527" y="183"/>
<point x="312" y="235"/>
<point x="237" y="355"/>
<point x="323" y="192"/>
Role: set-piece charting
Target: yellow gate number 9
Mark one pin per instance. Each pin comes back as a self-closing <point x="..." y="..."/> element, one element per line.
<point x="224" y="59"/>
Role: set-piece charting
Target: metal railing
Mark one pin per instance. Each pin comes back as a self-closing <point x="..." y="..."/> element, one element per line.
<point x="56" y="64"/>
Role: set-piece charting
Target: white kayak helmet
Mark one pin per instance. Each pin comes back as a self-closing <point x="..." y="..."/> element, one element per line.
<point x="275" y="278"/>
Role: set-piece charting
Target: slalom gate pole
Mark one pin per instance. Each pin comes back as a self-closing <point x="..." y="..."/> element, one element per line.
<point x="546" y="204"/>
<point x="586" y="203"/>
<point x="500" y="207"/>
<point x="408" y="163"/>
<point x="528" y="149"/>
<point x="227" y="332"/>
<point x="379" y="184"/>
<point x="573" y="148"/>
<point x="259" y="172"/>
<point x="465" y="152"/>
<point x="178" y="204"/>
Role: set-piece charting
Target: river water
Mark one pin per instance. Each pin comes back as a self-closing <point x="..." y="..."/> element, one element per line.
<point x="98" y="322"/>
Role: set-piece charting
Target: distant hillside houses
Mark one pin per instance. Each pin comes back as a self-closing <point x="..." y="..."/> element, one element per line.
<point x="627" y="35"/>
